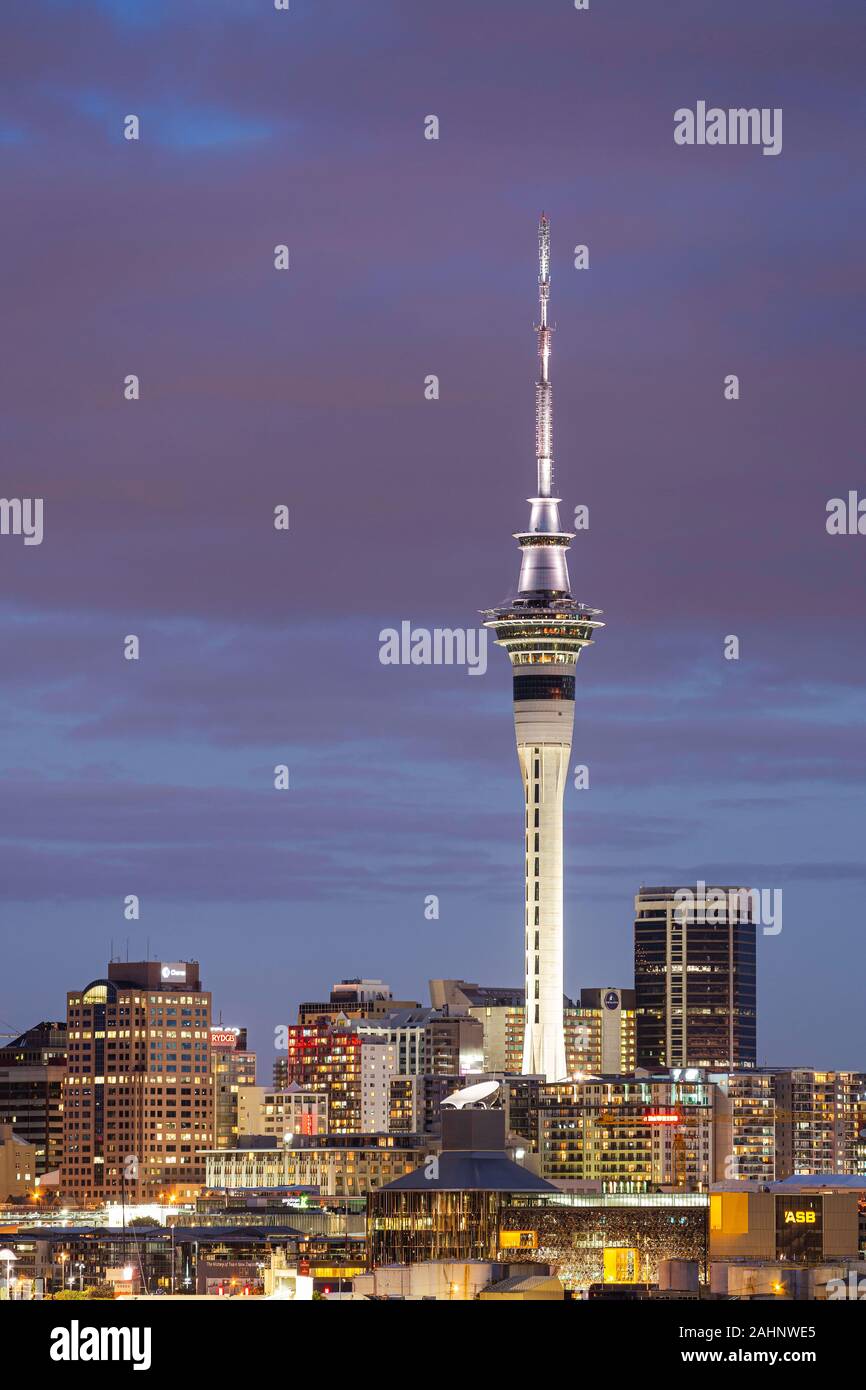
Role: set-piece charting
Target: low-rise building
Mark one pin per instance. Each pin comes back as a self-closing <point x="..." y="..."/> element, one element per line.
<point x="800" y="1223"/>
<point x="595" y="1238"/>
<point x="333" y="1165"/>
<point x="17" y="1165"/>
<point x="450" y="1208"/>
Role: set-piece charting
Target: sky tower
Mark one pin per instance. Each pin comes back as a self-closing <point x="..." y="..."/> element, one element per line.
<point x="543" y="629"/>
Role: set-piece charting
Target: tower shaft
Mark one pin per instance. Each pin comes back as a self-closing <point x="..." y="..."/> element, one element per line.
<point x="543" y="728"/>
<point x="543" y="629"/>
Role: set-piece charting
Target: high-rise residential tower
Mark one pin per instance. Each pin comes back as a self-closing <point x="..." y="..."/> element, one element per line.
<point x="543" y="629"/>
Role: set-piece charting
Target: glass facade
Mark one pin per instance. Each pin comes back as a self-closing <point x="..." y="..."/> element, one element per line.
<point x="695" y="980"/>
<point x="586" y="1237"/>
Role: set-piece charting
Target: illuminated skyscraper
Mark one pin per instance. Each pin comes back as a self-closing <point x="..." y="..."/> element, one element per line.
<point x="138" y="1096"/>
<point x="543" y="629"/>
<point x="695" y="977"/>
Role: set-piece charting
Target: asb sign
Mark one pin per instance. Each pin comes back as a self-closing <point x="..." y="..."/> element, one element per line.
<point x="799" y="1228"/>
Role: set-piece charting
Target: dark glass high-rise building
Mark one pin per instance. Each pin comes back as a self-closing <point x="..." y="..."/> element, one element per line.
<point x="695" y="977"/>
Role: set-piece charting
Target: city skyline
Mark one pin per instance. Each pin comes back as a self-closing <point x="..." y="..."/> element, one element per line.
<point x="707" y="517"/>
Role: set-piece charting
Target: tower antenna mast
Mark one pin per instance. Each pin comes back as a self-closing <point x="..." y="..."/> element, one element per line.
<point x="543" y="387"/>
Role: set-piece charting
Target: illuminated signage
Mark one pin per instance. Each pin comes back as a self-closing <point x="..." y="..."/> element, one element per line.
<point x="799" y="1228"/>
<point x="662" y="1117"/>
<point x="223" y="1037"/>
<point x="173" y="971"/>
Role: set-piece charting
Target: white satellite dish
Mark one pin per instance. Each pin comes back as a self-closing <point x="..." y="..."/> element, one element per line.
<point x="472" y="1095"/>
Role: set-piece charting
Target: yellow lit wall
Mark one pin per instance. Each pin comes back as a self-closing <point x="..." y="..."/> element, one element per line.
<point x="621" y="1265"/>
<point x="518" y="1240"/>
<point x="729" y="1213"/>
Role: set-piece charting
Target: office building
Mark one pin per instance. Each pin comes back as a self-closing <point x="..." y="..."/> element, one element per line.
<point x="694" y="963"/>
<point x="138" y="1094"/>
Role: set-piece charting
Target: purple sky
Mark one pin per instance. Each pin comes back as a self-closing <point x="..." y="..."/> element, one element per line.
<point x="411" y="257"/>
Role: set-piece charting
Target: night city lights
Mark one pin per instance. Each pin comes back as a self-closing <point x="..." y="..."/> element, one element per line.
<point x="361" y="943"/>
